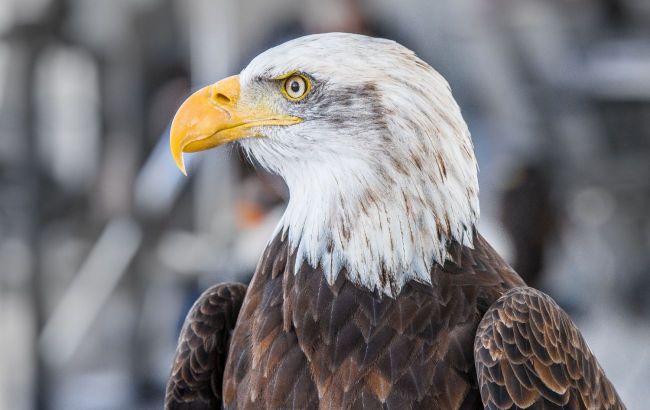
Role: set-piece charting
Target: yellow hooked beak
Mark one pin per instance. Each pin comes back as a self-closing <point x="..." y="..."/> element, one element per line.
<point x="212" y="116"/>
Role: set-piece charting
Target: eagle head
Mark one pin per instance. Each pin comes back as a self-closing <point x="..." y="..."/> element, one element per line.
<point x="371" y="143"/>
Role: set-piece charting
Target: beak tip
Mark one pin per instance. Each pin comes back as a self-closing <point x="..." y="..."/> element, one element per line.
<point x="181" y="166"/>
<point x="180" y="163"/>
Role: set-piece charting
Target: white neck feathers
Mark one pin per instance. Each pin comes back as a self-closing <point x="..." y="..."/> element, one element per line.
<point x="382" y="172"/>
<point x="386" y="222"/>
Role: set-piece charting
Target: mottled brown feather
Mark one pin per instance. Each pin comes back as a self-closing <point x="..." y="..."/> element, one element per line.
<point x="341" y="346"/>
<point x="529" y="354"/>
<point x="301" y="343"/>
<point x="197" y="370"/>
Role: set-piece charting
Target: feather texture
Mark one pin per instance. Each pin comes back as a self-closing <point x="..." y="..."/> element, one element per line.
<point x="197" y="370"/>
<point x="530" y="355"/>
<point x="475" y="337"/>
<point x="381" y="171"/>
<point x="301" y="342"/>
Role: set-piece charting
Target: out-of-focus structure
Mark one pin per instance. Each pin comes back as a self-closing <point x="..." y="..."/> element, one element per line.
<point x="104" y="244"/>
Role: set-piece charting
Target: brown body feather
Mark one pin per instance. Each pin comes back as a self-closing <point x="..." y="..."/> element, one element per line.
<point x="301" y="343"/>
<point x="530" y="355"/>
<point x="197" y="372"/>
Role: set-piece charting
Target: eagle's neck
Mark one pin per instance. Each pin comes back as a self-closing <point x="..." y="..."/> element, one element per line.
<point x="378" y="232"/>
<point x="380" y="190"/>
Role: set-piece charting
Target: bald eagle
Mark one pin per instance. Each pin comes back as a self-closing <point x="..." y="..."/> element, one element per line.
<point x="376" y="290"/>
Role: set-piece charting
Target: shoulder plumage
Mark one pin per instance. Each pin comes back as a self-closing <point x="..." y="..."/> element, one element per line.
<point x="529" y="354"/>
<point x="203" y="344"/>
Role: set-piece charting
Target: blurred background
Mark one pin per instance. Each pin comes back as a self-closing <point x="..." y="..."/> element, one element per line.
<point x="104" y="244"/>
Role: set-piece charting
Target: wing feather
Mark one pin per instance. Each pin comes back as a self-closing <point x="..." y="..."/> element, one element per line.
<point x="197" y="370"/>
<point x="530" y="355"/>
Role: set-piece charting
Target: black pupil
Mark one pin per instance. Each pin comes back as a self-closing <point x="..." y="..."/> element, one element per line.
<point x="295" y="86"/>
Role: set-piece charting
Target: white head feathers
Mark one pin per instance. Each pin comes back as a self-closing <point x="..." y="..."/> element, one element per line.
<point x="381" y="172"/>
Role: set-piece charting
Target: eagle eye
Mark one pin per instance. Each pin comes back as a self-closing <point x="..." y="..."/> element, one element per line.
<point x="295" y="87"/>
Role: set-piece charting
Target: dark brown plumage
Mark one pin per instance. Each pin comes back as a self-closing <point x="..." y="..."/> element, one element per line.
<point x="530" y="355"/>
<point x="197" y="372"/>
<point x="301" y="343"/>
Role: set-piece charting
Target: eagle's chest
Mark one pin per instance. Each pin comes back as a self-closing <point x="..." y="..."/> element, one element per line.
<point x="301" y="343"/>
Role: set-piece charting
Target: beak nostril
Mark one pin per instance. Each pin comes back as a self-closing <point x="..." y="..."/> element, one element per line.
<point x="222" y="98"/>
